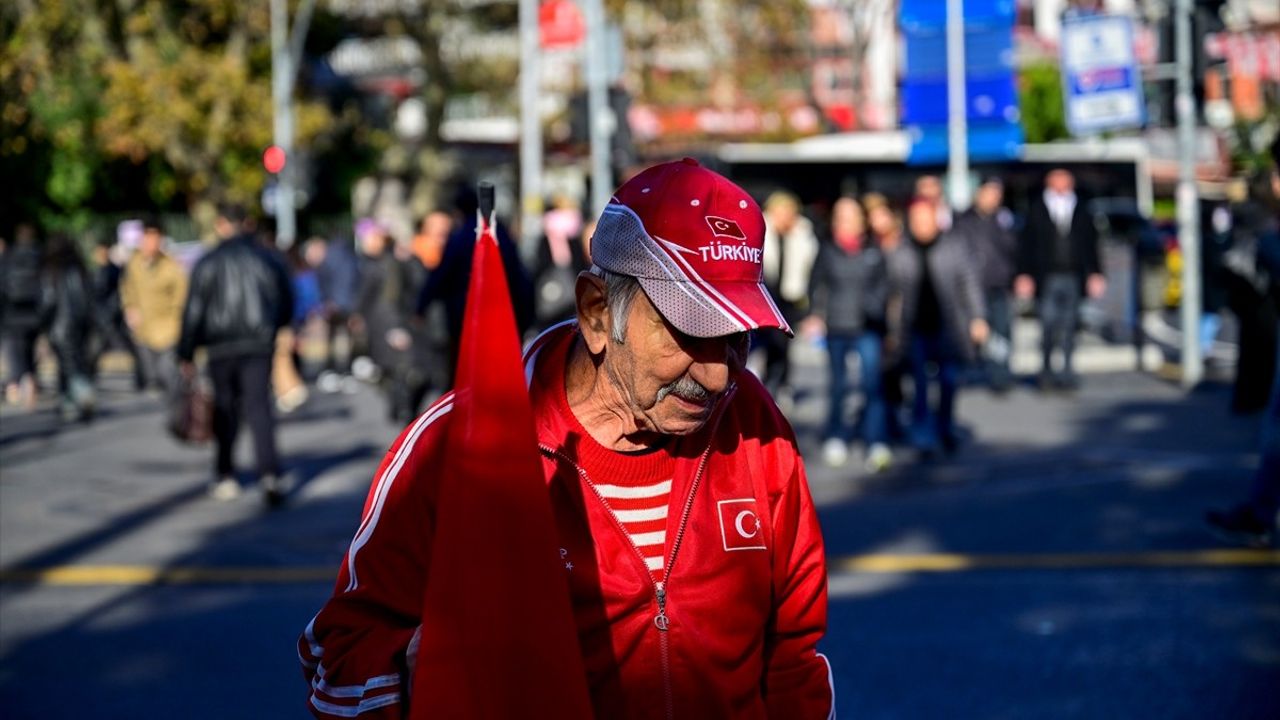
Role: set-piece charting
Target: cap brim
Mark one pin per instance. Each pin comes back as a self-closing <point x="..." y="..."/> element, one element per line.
<point x="704" y="311"/>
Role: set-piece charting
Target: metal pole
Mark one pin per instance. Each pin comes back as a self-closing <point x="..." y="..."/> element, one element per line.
<point x="282" y="117"/>
<point x="599" y="123"/>
<point x="1188" y="202"/>
<point x="957" y="125"/>
<point x="530" y="132"/>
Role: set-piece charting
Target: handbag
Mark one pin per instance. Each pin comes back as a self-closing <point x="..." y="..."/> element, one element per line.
<point x="191" y="412"/>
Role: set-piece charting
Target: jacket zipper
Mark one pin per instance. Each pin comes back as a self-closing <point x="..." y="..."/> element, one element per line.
<point x="660" y="620"/>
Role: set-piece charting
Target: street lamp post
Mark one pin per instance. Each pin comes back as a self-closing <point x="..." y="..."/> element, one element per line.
<point x="957" y="122"/>
<point x="286" y="55"/>
<point x="599" y="126"/>
<point x="1188" y="201"/>
<point x="530" y="131"/>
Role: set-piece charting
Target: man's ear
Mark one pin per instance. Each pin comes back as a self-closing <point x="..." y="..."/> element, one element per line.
<point x="593" y="311"/>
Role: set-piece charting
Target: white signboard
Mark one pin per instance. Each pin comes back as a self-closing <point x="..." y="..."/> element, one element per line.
<point x="1101" y="80"/>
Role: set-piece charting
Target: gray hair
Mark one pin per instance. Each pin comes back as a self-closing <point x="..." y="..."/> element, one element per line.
<point x="620" y="292"/>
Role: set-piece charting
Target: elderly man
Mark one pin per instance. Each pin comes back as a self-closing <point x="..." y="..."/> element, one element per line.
<point x="691" y="547"/>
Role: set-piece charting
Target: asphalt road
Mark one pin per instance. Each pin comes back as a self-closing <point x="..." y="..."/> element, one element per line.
<point x="1056" y="568"/>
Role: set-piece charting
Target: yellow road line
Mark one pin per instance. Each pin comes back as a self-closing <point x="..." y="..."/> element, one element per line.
<point x="71" y="575"/>
<point x="151" y="575"/>
<point x="948" y="562"/>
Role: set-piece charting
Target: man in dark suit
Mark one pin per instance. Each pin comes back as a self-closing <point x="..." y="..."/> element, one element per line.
<point x="1058" y="262"/>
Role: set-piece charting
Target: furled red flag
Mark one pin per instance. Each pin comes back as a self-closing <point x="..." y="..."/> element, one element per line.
<point x="498" y="635"/>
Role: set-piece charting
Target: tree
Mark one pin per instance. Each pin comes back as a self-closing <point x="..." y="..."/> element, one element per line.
<point x="1040" y="100"/>
<point x="182" y="87"/>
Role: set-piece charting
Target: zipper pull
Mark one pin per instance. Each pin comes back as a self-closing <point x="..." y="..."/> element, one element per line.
<point x="661" y="620"/>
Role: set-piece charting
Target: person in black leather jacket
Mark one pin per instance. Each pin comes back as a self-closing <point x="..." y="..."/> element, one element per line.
<point x="66" y="317"/>
<point x="239" y="297"/>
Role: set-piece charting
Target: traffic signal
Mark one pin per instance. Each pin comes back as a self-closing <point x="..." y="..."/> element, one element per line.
<point x="274" y="159"/>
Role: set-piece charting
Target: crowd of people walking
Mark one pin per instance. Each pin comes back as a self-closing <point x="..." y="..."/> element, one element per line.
<point x="904" y="286"/>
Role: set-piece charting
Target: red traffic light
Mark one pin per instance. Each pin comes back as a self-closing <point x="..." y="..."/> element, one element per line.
<point x="273" y="159"/>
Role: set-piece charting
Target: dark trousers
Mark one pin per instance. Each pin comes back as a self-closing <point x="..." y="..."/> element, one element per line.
<point x="337" y="327"/>
<point x="928" y="426"/>
<point x="777" y="361"/>
<point x="999" y="348"/>
<point x="20" y="350"/>
<point x="112" y="334"/>
<point x="159" y="367"/>
<point x="243" y="384"/>
<point x="868" y="347"/>
<point x="1059" y="310"/>
<point x="1265" y="495"/>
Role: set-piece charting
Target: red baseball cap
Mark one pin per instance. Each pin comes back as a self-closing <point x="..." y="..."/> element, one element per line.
<point x="695" y="242"/>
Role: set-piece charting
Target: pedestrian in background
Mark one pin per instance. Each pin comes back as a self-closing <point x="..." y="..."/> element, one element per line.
<point x="239" y="298"/>
<point x="929" y="188"/>
<point x="20" y="299"/>
<point x="338" y="278"/>
<point x="384" y="303"/>
<point x="941" y="315"/>
<point x="110" y="329"/>
<point x="1059" y="264"/>
<point x="430" y="332"/>
<point x="153" y="292"/>
<point x="1249" y="282"/>
<point x="987" y="231"/>
<point x="66" y="318"/>
<point x="560" y="258"/>
<point x="848" y="290"/>
<point x="1254" y="521"/>
<point x="448" y="284"/>
<point x="886" y="231"/>
<point x="790" y="248"/>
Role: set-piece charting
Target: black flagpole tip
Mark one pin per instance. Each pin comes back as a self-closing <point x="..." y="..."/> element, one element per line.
<point x="485" y="190"/>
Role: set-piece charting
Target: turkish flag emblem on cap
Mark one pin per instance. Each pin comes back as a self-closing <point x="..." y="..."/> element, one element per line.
<point x="740" y="525"/>
<point x="724" y="227"/>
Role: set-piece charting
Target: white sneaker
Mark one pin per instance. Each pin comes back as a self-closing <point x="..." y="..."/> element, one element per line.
<point x="879" y="458"/>
<point x="835" y="452"/>
<point x="329" y="382"/>
<point x="226" y="488"/>
<point x="365" y="369"/>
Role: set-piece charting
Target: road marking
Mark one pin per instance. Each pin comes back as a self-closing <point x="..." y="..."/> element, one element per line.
<point x="71" y="575"/>
<point x="152" y="575"/>
<point x="949" y="562"/>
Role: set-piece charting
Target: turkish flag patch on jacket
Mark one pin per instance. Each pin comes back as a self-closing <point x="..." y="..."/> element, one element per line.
<point x="740" y="525"/>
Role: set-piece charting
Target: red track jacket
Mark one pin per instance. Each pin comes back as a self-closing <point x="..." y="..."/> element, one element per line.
<point x="731" y="632"/>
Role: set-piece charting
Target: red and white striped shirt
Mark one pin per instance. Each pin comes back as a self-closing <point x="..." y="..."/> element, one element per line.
<point x="636" y="486"/>
<point x="641" y="508"/>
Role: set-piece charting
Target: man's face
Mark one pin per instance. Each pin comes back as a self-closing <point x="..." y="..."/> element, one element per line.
<point x="671" y="381"/>
<point x="437" y="225"/>
<point x="929" y="187"/>
<point x="882" y="220"/>
<point x="989" y="198"/>
<point x="373" y="243"/>
<point x="922" y="221"/>
<point x="782" y="216"/>
<point x="150" y="244"/>
<point x="314" y="254"/>
<point x="846" y="217"/>
<point x="1060" y="181"/>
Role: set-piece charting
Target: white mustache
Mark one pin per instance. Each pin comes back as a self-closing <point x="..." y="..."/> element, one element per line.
<point x="687" y="389"/>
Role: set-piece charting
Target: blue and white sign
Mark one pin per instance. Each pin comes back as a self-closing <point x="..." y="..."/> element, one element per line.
<point x="1100" y="75"/>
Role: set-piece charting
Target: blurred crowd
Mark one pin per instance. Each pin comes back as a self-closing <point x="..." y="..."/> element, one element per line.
<point x="909" y="300"/>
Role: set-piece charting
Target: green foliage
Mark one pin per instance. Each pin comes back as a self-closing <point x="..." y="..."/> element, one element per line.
<point x="1044" y="118"/>
<point x="179" y="89"/>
